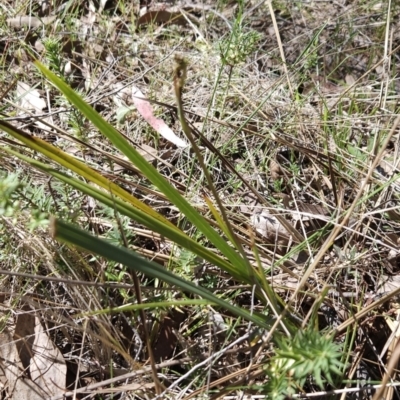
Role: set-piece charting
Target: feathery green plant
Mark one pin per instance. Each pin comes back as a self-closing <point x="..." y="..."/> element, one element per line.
<point x="240" y="43"/>
<point x="9" y="202"/>
<point x="307" y="354"/>
<point x="53" y="54"/>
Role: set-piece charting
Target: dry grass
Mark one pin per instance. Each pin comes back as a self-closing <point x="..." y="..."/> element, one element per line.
<point x="308" y="120"/>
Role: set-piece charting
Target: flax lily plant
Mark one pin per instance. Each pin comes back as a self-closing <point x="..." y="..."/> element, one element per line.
<point x="230" y="256"/>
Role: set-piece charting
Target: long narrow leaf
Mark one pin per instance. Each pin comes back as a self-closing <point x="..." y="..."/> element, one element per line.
<point x="73" y="235"/>
<point x="123" y="208"/>
<point x="79" y="167"/>
<point x="147" y="169"/>
<point x="147" y="306"/>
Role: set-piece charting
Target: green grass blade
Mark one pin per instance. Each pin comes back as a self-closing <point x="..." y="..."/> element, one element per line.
<point x="107" y="198"/>
<point x="78" y="237"/>
<point x="150" y="172"/>
<point x="147" y="306"/>
<point x="79" y="167"/>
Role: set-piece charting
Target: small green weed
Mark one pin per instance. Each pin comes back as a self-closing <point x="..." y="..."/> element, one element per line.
<point x="308" y="355"/>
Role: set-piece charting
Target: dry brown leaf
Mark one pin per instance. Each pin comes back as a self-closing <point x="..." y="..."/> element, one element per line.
<point x="349" y="79"/>
<point x="23" y="335"/>
<point x="30" y="98"/>
<point x="388" y="284"/>
<point x="10" y="363"/>
<point x="160" y="14"/>
<point x="13" y="372"/>
<point x="275" y="170"/>
<point x="311" y="211"/>
<point x="269" y="226"/>
<point x="28" y="21"/>
<point x="167" y="340"/>
<point x="312" y="216"/>
<point x="39" y="46"/>
<point x="162" y="17"/>
<point x="18" y="386"/>
<point x="47" y="368"/>
<point x="88" y="20"/>
<point x="38" y="355"/>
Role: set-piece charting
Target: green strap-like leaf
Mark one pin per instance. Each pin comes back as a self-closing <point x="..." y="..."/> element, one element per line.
<point x="79" y="167"/>
<point x="176" y="235"/>
<point x="150" y="172"/>
<point x="78" y="237"/>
